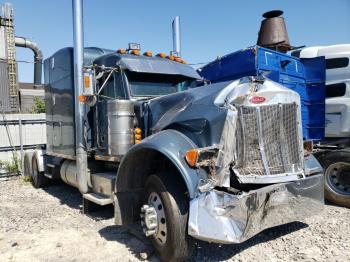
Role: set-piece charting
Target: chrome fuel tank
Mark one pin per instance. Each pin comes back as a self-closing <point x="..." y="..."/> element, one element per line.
<point x="120" y="117"/>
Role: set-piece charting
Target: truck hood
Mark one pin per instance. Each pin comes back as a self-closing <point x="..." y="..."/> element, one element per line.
<point x="192" y="111"/>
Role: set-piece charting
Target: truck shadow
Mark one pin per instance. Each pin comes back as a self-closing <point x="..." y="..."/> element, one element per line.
<point x="135" y="241"/>
<point x="204" y="251"/>
<point x="71" y="197"/>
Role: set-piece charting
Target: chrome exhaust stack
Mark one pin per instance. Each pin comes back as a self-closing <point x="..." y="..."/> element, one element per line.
<point x="176" y="37"/>
<point x="80" y="144"/>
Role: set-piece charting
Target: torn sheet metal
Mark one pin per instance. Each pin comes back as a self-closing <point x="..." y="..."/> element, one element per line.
<point x="220" y="217"/>
<point x="227" y="146"/>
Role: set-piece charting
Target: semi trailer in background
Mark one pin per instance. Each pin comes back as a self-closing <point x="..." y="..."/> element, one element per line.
<point x="219" y="162"/>
<point x="333" y="152"/>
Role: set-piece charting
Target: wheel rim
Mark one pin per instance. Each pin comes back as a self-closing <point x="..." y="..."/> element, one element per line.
<point x="338" y="178"/>
<point x="161" y="231"/>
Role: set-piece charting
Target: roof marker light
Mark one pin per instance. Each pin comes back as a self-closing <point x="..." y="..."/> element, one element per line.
<point x="162" y="55"/>
<point x="170" y="57"/>
<point x="178" y="59"/>
<point x="135" y="52"/>
<point x="121" y="51"/>
<point x="147" y="53"/>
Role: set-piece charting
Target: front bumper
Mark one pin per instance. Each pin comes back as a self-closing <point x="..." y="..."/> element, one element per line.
<point x="221" y="217"/>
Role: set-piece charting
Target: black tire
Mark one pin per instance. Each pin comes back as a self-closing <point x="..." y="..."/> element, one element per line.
<point x="336" y="165"/>
<point x="27" y="168"/>
<point x="38" y="178"/>
<point x="178" y="245"/>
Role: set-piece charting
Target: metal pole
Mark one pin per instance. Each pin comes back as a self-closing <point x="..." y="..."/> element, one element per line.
<point x="80" y="145"/>
<point x="176" y="35"/>
<point x="21" y="143"/>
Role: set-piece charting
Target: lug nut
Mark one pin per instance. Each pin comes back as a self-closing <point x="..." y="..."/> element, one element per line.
<point x="150" y="233"/>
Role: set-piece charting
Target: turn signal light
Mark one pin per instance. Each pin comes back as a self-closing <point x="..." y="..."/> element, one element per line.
<point x="147" y="53"/>
<point x="121" y="51"/>
<point x="138" y="130"/>
<point x="162" y="55"/>
<point x="82" y="99"/>
<point x="191" y="157"/>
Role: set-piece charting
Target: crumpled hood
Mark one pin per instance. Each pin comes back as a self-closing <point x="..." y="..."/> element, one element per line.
<point x="192" y="111"/>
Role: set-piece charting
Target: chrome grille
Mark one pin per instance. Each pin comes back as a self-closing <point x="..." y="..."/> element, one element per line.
<point x="268" y="141"/>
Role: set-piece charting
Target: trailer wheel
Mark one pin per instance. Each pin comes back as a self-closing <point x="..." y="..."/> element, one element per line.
<point x="38" y="178"/>
<point x="27" y="168"/>
<point x="336" y="166"/>
<point x="165" y="216"/>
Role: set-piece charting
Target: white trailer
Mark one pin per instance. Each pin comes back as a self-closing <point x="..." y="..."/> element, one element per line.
<point x="334" y="151"/>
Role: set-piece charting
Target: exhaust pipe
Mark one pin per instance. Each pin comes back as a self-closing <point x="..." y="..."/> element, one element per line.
<point x="273" y="32"/>
<point x="80" y="144"/>
<point x="176" y="36"/>
<point x="38" y="57"/>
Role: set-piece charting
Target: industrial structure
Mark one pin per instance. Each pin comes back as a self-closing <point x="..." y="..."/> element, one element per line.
<point x="9" y="90"/>
<point x="8" y="64"/>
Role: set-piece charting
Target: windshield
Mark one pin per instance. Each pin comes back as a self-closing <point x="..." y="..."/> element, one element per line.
<point x="150" y="85"/>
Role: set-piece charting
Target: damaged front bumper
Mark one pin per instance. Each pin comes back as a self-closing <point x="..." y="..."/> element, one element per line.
<point x="221" y="217"/>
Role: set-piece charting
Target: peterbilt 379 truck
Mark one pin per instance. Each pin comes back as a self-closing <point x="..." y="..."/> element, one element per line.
<point x="219" y="162"/>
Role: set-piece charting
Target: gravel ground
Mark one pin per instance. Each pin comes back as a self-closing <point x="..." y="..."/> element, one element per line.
<point x="47" y="225"/>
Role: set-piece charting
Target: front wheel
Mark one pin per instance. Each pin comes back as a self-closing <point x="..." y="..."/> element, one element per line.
<point x="165" y="217"/>
<point x="337" y="177"/>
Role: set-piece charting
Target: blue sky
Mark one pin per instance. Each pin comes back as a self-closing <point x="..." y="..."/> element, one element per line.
<point x="209" y="28"/>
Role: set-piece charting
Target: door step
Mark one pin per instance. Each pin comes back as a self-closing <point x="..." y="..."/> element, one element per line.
<point x="98" y="199"/>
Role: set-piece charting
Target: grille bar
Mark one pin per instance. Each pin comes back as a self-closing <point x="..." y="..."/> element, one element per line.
<point x="268" y="140"/>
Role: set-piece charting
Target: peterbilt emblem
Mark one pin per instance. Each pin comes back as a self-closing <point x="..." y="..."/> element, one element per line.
<point x="257" y="99"/>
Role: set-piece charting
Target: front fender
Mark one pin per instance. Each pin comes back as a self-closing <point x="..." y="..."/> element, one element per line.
<point x="170" y="143"/>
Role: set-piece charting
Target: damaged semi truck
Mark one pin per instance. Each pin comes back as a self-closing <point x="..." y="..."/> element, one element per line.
<point x="219" y="163"/>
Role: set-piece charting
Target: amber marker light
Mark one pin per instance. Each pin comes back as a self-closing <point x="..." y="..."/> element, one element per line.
<point x="178" y="59"/>
<point x="170" y="57"/>
<point x="135" y="52"/>
<point x="87" y="81"/>
<point x="82" y="99"/>
<point x="147" y="53"/>
<point x="121" y="51"/>
<point x="191" y="157"/>
<point x="138" y="136"/>
<point x="162" y="55"/>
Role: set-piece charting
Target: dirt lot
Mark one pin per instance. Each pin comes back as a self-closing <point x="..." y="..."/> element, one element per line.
<point x="47" y="225"/>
